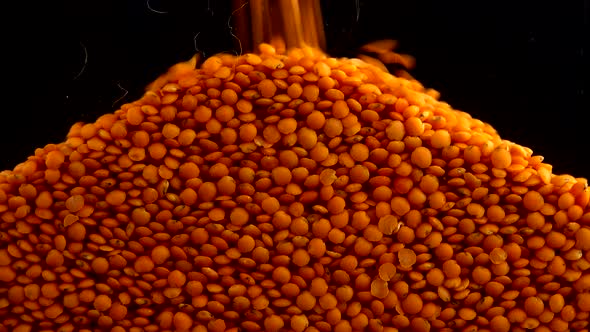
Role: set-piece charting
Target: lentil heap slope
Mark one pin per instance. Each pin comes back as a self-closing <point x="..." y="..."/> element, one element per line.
<point x="291" y="192"/>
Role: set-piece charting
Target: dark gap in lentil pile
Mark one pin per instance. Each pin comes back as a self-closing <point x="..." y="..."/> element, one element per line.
<point x="286" y="190"/>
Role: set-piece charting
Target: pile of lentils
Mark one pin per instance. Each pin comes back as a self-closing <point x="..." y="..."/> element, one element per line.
<point x="291" y="192"/>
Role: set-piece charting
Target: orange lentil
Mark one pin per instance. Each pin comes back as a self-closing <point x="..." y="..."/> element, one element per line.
<point x="305" y="301"/>
<point x="359" y="174"/>
<point x="239" y="216"/>
<point x="287" y="126"/>
<point x="301" y="257"/>
<point x="556" y="303"/>
<point x="270" y="205"/>
<point x="170" y="130"/>
<point x="533" y="201"/>
<point x="273" y="323"/>
<point x="498" y="255"/>
<point x="100" y="265"/>
<point x="421" y="157"/>
<point x="501" y="158"/>
<point x="336" y="205"/>
<point x="316" y="248"/>
<point x="160" y="254"/>
<point x="54" y="258"/>
<point x="499" y="324"/>
<point x="281" y="175"/>
<point x="414" y="126"/>
<point x="340" y="109"/>
<point x="349" y="263"/>
<point x="379" y="288"/>
<point x="281" y="274"/>
<point x="451" y="269"/>
<point x="7" y="274"/>
<point x="481" y="275"/>
<point x="143" y="264"/>
<point x="333" y="127"/>
<point x="400" y="205"/>
<point x="102" y="302"/>
<point x="583" y="301"/>
<point x="246" y="244"/>
<point x="116" y="197"/>
<point x="176" y="278"/>
<point x="182" y="321"/>
<point x="157" y="150"/>
<point x="533" y="306"/>
<point x="412" y="304"/>
<point x="406" y="257"/>
<point x="54" y="159"/>
<point x="582" y="237"/>
<point x="440" y="139"/>
<point x="359" y="152"/>
<point x="299" y="323"/>
<point x="316" y="120"/>
<point x="75" y="203"/>
<point x="435" y="277"/>
<point x="467" y="313"/>
<point x="267" y="88"/>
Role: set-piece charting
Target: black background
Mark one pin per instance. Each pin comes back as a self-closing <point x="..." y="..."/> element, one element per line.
<point x="519" y="66"/>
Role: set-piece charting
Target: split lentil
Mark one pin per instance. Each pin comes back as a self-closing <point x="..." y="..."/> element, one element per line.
<point x="291" y="190"/>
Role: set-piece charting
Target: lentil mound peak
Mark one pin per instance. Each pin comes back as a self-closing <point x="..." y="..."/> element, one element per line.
<point x="291" y="191"/>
